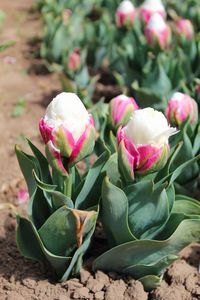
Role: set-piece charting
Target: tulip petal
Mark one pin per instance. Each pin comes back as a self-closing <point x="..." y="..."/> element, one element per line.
<point x="85" y="143"/>
<point x="125" y="162"/>
<point x="64" y="141"/>
<point x="55" y="159"/>
<point x="152" y="158"/>
<point x="46" y="131"/>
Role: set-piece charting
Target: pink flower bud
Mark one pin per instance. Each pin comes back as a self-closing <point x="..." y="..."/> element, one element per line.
<point x="143" y="143"/>
<point x="180" y="107"/>
<point x="184" y="30"/>
<point x="150" y="7"/>
<point x="66" y="15"/>
<point x="68" y="131"/>
<point x="125" y="14"/>
<point x="157" y="32"/>
<point x="74" y="61"/>
<point x="120" y="110"/>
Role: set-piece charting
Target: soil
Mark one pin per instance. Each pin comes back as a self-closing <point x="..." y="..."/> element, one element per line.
<point x="23" y="76"/>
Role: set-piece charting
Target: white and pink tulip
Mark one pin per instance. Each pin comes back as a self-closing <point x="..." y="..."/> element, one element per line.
<point x="74" y="60"/>
<point x="158" y="32"/>
<point x="125" y="14"/>
<point x="184" y="30"/>
<point x="150" y="7"/>
<point x="143" y="146"/>
<point x="120" y="110"/>
<point x="68" y="131"/>
<point x="180" y="107"/>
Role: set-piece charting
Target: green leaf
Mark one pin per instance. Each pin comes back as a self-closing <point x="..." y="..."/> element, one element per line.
<point x="181" y="168"/>
<point x="27" y="164"/>
<point x="58" y="233"/>
<point x="156" y="268"/>
<point x="166" y="170"/>
<point x="172" y="224"/>
<point x="150" y="282"/>
<point x="42" y="185"/>
<point x="148" y="208"/>
<point x="148" y="251"/>
<point x="186" y="207"/>
<point x="31" y="246"/>
<point x="76" y="261"/>
<point x="114" y="214"/>
<point x="43" y="163"/>
<point x="38" y="208"/>
<point x="59" y="199"/>
<point x="111" y="168"/>
<point x="83" y="200"/>
<point x="27" y="242"/>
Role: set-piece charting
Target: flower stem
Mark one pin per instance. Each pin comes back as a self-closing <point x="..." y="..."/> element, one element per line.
<point x="68" y="186"/>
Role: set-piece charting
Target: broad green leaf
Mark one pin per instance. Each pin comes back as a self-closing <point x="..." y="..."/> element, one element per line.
<point x="172" y="224"/>
<point x="43" y="163"/>
<point x="76" y="261"/>
<point x="58" y="199"/>
<point x="114" y="214"/>
<point x="148" y="251"/>
<point x="31" y="246"/>
<point x="111" y="168"/>
<point x="83" y="200"/>
<point x="38" y="208"/>
<point x="186" y="207"/>
<point x="166" y="170"/>
<point x="148" y="209"/>
<point x="176" y="173"/>
<point x="27" y="164"/>
<point x="42" y="185"/>
<point x="58" y="233"/>
<point x="140" y="270"/>
<point x="184" y="197"/>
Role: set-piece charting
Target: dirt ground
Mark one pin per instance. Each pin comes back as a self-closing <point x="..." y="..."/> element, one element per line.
<point x="25" y="80"/>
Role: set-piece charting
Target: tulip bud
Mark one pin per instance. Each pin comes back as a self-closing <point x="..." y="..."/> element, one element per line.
<point x="120" y="110"/>
<point x="150" y="7"/>
<point x="157" y="32"/>
<point x="125" y="14"/>
<point x="180" y="107"/>
<point x="74" y="61"/>
<point x="143" y="143"/>
<point x="66" y="15"/>
<point x="184" y="30"/>
<point x="67" y="130"/>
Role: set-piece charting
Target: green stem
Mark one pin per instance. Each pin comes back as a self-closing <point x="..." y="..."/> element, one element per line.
<point x="68" y="186"/>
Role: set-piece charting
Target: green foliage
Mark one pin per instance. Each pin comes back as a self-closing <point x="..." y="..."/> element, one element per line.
<point x="147" y="222"/>
<point x="58" y="231"/>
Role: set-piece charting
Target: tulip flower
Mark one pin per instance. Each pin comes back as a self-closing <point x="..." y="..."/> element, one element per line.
<point x="143" y="143"/>
<point x="150" y="7"/>
<point x="74" y="61"/>
<point x="125" y="14"/>
<point x="66" y="16"/>
<point x="184" y="30"/>
<point x="180" y="107"/>
<point x="67" y="130"/>
<point x="157" y="32"/>
<point x="120" y="110"/>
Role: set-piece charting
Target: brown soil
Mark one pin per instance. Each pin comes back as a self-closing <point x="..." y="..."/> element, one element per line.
<point x="20" y="278"/>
